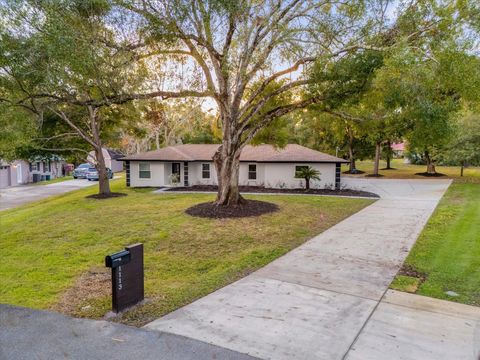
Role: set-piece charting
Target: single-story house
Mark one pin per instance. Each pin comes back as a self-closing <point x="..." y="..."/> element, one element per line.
<point x="20" y="172"/>
<point x="111" y="159"/>
<point x="262" y="165"/>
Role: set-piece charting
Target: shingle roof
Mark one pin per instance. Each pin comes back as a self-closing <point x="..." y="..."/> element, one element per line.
<point x="115" y="154"/>
<point x="260" y="153"/>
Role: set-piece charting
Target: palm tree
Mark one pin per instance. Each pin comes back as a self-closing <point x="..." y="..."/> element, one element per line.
<point x="308" y="173"/>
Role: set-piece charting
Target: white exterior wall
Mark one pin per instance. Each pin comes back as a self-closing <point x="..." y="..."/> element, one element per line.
<point x="270" y="175"/>
<point x="282" y="175"/>
<point x="195" y="174"/>
<point x="243" y="176"/>
<point x="157" y="174"/>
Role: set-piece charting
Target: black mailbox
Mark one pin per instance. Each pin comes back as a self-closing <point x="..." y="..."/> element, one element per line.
<point x="127" y="277"/>
<point x="118" y="259"/>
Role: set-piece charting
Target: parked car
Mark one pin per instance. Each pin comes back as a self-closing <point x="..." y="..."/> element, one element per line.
<point x="81" y="171"/>
<point x="92" y="174"/>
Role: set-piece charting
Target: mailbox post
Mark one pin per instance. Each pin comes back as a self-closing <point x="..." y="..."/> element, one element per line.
<point x="127" y="277"/>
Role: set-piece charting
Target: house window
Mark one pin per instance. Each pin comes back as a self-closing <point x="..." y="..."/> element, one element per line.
<point x="299" y="168"/>
<point x="205" y="171"/>
<point x="46" y="166"/>
<point x="38" y="168"/>
<point x="144" y="171"/>
<point x="252" y="172"/>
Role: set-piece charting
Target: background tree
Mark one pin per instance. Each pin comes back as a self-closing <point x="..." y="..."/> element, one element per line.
<point x="420" y="91"/>
<point x="159" y="124"/>
<point x="53" y="64"/>
<point x="464" y="148"/>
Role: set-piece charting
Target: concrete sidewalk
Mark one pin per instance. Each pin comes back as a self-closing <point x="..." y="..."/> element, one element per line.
<point x="412" y="327"/>
<point x="18" y="195"/>
<point x="31" y="334"/>
<point x="317" y="301"/>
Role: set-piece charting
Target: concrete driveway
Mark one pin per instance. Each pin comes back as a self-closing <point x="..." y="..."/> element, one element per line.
<point x="18" y="195"/>
<point x="329" y="298"/>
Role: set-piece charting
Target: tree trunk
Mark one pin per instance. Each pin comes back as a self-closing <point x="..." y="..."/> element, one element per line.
<point x="307" y="184"/>
<point x="103" y="181"/>
<point x="462" y="167"/>
<point x="351" y="154"/>
<point x="430" y="164"/>
<point x="227" y="164"/>
<point x="157" y="140"/>
<point x="388" y="155"/>
<point x="376" y="163"/>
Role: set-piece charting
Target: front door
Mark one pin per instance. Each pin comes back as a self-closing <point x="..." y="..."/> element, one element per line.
<point x="176" y="171"/>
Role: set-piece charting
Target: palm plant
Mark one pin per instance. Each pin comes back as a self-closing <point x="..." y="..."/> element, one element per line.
<point x="308" y="173"/>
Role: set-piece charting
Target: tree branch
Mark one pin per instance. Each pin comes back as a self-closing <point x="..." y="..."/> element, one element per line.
<point x="80" y="132"/>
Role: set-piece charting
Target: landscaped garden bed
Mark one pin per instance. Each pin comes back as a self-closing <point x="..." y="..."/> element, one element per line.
<point x="53" y="250"/>
<point x="247" y="208"/>
<point x="260" y="190"/>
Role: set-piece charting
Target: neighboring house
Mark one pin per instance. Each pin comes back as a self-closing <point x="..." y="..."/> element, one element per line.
<point x="262" y="165"/>
<point x="111" y="159"/>
<point x="398" y="149"/>
<point x="13" y="173"/>
<point x="20" y="172"/>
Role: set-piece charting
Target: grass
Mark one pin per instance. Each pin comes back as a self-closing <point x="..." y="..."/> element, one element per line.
<point x="53" y="181"/>
<point x="408" y="171"/>
<point x="448" y="250"/>
<point x="50" y="248"/>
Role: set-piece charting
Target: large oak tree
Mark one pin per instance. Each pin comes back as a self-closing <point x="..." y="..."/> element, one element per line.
<point x="236" y="49"/>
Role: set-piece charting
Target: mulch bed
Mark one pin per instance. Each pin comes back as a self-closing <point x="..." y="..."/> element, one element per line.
<point x="260" y="190"/>
<point x="246" y="209"/>
<point x="430" y="175"/>
<point x="374" y="176"/>
<point x="105" y="196"/>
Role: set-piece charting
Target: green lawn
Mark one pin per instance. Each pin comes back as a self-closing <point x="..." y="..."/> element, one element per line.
<point x="53" y="181"/>
<point x="408" y="171"/>
<point x="447" y="252"/>
<point x="54" y="249"/>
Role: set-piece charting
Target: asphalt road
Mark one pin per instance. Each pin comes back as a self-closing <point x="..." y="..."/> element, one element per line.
<point x="31" y="334"/>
